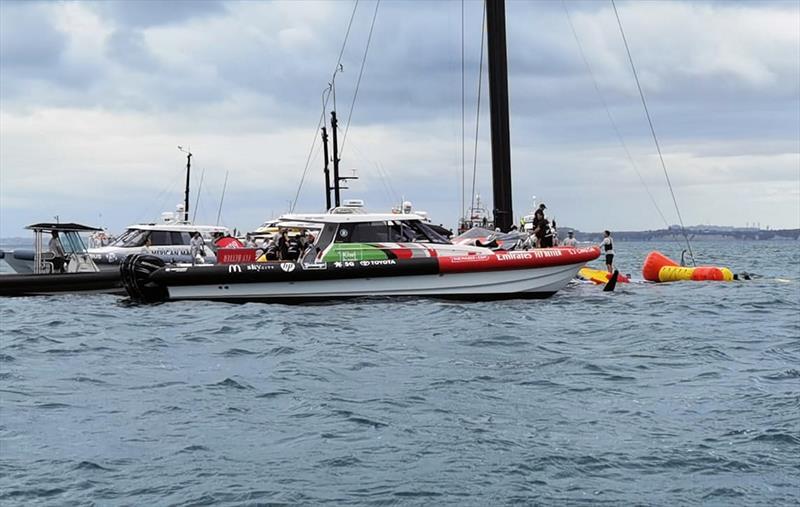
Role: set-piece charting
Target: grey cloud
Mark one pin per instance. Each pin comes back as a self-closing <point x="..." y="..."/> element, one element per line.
<point x="143" y="13"/>
<point x="128" y="47"/>
<point x="28" y="40"/>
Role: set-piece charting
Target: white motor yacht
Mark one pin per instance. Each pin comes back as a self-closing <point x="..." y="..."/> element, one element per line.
<point x="169" y="239"/>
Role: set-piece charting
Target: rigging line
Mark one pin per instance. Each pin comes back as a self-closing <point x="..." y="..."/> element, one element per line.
<point x="341" y="52"/>
<point x="395" y="195"/>
<point x="463" y="118"/>
<point x="610" y="116"/>
<point x="653" y="131"/>
<point x="360" y="73"/>
<point x="197" y="200"/>
<point x="478" y="109"/>
<point x="324" y="104"/>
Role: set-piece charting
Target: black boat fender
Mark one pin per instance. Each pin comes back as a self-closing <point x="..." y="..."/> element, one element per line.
<point x="135" y="271"/>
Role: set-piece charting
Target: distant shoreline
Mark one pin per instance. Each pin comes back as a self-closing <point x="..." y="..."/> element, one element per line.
<point x="694" y="233"/>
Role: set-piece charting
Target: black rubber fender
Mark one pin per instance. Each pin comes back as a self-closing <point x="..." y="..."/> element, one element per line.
<point x="135" y="271"/>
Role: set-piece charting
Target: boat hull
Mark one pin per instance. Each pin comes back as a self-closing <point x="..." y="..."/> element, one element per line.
<point x="518" y="283"/>
<point x="102" y="282"/>
<point x="534" y="274"/>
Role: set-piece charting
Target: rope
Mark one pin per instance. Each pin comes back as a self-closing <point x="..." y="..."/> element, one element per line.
<point x="478" y="109"/>
<point x="653" y="131"/>
<point x="322" y="115"/>
<point x="610" y="116"/>
<point x="463" y="119"/>
<point x="360" y="73"/>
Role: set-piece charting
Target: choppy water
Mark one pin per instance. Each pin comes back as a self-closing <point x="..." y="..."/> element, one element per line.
<point x="660" y="395"/>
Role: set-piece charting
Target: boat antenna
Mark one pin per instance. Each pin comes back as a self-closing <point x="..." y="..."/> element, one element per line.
<point x="325" y="155"/>
<point x="336" y="179"/>
<point x="197" y="199"/>
<point x="653" y="132"/>
<point x="222" y="197"/>
<point x="186" y="191"/>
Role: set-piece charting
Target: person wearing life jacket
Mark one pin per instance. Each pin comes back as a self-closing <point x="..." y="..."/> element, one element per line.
<point x="547" y="235"/>
<point x="607" y="245"/>
<point x="283" y="245"/>
<point x="271" y="249"/>
<point x="294" y="247"/>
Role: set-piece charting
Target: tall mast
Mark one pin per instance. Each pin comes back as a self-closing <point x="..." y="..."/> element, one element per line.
<point x="326" y="170"/>
<point x="186" y="189"/>
<point x="336" y="179"/>
<point x="498" y="106"/>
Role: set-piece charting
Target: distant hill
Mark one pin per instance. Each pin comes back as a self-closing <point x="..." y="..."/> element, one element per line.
<point x="694" y="232"/>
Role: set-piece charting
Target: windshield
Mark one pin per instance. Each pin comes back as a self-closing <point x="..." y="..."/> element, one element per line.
<point x="72" y="243"/>
<point x="131" y="238"/>
<point x="415" y="231"/>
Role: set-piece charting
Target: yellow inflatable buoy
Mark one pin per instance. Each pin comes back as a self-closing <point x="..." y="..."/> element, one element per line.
<point x="660" y="268"/>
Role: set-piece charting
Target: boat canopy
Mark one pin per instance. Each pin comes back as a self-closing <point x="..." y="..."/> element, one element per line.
<point x="62" y="227"/>
<point x="350" y="218"/>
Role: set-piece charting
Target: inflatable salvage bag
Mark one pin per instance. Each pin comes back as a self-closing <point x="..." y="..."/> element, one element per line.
<point x="660" y="268"/>
<point x="136" y="271"/>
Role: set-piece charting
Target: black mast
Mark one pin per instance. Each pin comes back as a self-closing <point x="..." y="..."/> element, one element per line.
<point x="186" y="190"/>
<point x="336" y="178"/>
<point x="498" y="106"/>
<point x="327" y="171"/>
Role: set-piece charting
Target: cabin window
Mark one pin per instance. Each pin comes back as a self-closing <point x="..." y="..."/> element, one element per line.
<point x="131" y="238"/>
<point x="410" y="231"/>
<point x="178" y="239"/>
<point x="365" y="232"/>
<point x="160" y="238"/>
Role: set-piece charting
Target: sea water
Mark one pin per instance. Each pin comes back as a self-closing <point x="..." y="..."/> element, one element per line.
<point x="674" y="394"/>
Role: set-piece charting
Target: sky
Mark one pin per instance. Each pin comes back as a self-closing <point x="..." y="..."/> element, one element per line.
<point x="95" y="97"/>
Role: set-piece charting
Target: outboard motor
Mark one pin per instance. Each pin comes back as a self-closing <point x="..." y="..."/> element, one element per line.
<point x="136" y="270"/>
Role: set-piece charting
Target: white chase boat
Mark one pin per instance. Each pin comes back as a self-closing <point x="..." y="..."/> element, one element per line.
<point x="363" y="255"/>
<point x="169" y="239"/>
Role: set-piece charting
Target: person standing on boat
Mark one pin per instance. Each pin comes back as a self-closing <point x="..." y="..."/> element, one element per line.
<point x="57" y="249"/>
<point x="283" y="245"/>
<point x="197" y="248"/>
<point x="607" y="245"/>
<point x="570" y="240"/>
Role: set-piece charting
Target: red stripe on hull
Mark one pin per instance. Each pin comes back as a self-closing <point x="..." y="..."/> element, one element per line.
<point x="536" y="258"/>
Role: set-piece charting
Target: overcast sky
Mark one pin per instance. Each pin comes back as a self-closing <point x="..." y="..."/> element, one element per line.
<point x="95" y="97"/>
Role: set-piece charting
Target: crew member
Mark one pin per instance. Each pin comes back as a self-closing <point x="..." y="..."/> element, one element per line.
<point x="607" y="245"/>
<point x="197" y="248"/>
<point x="59" y="256"/>
<point x="570" y="241"/>
<point x="283" y="245"/>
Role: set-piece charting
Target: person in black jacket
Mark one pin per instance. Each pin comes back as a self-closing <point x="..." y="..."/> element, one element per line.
<point x="283" y="245"/>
